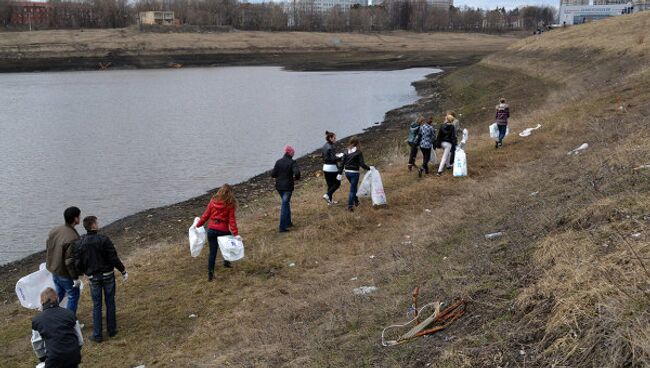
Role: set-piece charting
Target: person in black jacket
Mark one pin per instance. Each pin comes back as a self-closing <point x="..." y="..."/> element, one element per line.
<point x="285" y="172"/>
<point x="352" y="162"/>
<point x="96" y="257"/>
<point x="446" y="140"/>
<point x="330" y="167"/>
<point x="56" y="328"/>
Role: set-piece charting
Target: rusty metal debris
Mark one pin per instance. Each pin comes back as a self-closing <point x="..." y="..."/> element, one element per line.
<point x="436" y="322"/>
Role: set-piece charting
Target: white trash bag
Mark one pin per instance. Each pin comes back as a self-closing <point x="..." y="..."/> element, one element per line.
<point x="377" y="188"/>
<point x="528" y="131"/>
<point x="197" y="238"/>
<point x="460" y="163"/>
<point x="494" y="131"/>
<point x="30" y="287"/>
<point x="365" y="188"/>
<point x="232" y="247"/>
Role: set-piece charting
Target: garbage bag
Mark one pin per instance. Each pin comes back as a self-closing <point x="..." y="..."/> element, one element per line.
<point x="30" y="287"/>
<point x="377" y="188"/>
<point x="197" y="238"/>
<point x="366" y="185"/>
<point x="494" y="131"/>
<point x="460" y="163"/>
<point x="232" y="247"/>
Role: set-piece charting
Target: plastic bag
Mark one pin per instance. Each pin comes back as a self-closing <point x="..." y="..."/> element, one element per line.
<point x="30" y="287"/>
<point x="460" y="163"/>
<point x="494" y="131"/>
<point x="197" y="238"/>
<point x="366" y="185"/>
<point x="232" y="247"/>
<point x="377" y="188"/>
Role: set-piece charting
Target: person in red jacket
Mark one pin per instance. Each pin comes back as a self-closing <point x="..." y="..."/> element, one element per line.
<point x="220" y="216"/>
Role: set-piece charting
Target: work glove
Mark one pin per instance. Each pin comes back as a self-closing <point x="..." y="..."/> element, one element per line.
<point x="125" y="276"/>
<point x="76" y="283"/>
<point x="339" y="177"/>
<point x="339" y="155"/>
<point x="238" y="237"/>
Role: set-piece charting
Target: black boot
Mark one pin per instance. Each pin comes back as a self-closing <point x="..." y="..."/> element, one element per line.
<point x="227" y="264"/>
<point x="210" y="276"/>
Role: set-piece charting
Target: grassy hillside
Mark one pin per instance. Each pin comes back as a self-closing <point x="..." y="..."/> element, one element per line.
<point x="567" y="284"/>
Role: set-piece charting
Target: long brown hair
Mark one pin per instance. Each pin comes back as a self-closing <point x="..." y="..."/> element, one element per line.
<point x="354" y="142"/>
<point x="226" y="195"/>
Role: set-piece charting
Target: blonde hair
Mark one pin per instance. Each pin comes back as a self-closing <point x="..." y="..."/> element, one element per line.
<point x="49" y="295"/>
<point x="420" y="120"/>
<point x="226" y="195"/>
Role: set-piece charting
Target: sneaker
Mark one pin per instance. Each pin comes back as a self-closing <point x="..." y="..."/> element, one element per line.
<point x="410" y="167"/>
<point x="210" y="276"/>
<point x="284" y="231"/>
<point x="356" y="202"/>
<point x="327" y="198"/>
<point x="227" y="264"/>
<point x="420" y="172"/>
<point x="112" y="334"/>
<point x="351" y="209"/>
<point x="96" y="340"/>
<point x="439" y="173"/>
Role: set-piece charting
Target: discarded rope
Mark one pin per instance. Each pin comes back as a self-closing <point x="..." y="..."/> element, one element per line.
<point x="436" y="322"/>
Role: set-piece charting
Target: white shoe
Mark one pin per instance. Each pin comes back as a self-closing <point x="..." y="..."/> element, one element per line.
<point x="327" y="198"/>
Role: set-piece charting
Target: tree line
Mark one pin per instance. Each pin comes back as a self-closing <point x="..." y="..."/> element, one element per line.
<point x="409" y="15"/>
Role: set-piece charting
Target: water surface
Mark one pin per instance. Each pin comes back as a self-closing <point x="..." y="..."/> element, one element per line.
<point x="115" y="143"/>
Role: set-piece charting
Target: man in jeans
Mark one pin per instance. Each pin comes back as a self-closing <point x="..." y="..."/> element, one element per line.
<point x="285" y="172"/>
<point x="59" y="258"/>
<point x="96" y="256"/>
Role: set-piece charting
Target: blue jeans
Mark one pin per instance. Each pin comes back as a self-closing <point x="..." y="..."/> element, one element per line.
<point x="502" y="132"/>
<point x="64" y="286"/>
<point x="285" y="209"/>
<point x="353" y="178"/>
<point x="213" y="241"/>
<point x="103" y="284"/>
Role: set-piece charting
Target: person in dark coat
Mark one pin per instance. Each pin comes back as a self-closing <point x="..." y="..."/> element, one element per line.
<point x="330" y="167"/>
<point x="286" y="172"/>
<point x="96" y="257"/>
<point x="446" y="140"/>
<point x="413" y="140"/>
<point x="352" y="162"/>
<point x="502" y="116"/>
<point x="56" y="336"/>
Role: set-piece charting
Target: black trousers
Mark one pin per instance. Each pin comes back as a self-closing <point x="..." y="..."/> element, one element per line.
<point x="332" y="184"/>
<point x="426" y="157"/>
<point x="413" y="154"/>
<point x="452" y="154"/>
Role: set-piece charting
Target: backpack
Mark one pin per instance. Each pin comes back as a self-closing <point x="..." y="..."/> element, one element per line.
<point x="414" y="135"/>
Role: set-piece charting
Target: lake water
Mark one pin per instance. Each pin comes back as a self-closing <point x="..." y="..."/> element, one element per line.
<point x="118" y="142"/>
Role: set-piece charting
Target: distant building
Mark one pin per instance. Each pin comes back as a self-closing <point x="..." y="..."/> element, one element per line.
<point x="325" y="5"/>
<point x="441" y="3"/>
<point x="164" y="18"/>
<point x="574" y="2"/>
<point x="577" y="14"/>
<point x="42" y="15"/>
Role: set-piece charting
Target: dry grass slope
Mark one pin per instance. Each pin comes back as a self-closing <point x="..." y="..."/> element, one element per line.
<point x="567" y="285"/>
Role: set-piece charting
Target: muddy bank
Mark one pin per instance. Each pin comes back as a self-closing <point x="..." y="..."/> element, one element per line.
<point x="297" y="61"/>
<point x="167" y="223"/>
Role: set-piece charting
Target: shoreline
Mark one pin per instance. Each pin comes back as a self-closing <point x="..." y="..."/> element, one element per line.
<point x="131" y="230"/>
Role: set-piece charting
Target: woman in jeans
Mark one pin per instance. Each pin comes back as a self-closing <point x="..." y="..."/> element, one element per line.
<point x="446" y="140"/>
<point x="427" y="139"/>
<point x="220" y="215"/>
<point x="330" y="167"/>
<point x="352" y="162"/>
<point x="502" y="116"/>
<point x="413" y="140"/>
